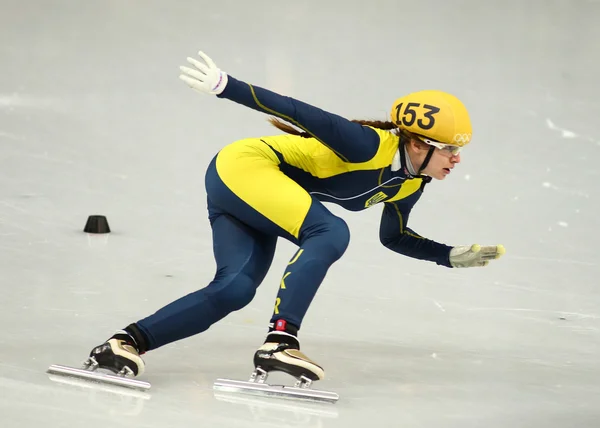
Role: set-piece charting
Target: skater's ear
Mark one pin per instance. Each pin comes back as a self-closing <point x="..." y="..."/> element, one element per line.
<point x="417" y="146"/>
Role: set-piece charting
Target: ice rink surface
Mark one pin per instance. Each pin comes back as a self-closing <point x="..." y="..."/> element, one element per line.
<point x="93" y="120"/>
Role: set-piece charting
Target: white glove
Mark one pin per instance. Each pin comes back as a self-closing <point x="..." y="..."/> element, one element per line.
<point x="474" y="255"/>
<point x="206" y="78"/>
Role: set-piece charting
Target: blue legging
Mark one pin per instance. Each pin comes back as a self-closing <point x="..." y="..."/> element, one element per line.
<point x="244" y="245"/>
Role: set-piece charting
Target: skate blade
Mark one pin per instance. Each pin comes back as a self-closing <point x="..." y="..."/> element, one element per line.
<point x="279" y="391"/>
<point x="98" y="377"/>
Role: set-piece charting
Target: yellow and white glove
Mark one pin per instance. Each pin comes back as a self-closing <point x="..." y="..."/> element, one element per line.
<point x="475" y="255"/>
<point x="206" y="77"/>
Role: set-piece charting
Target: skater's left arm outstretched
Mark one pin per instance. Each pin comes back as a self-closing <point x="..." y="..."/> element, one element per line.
<point x="395" y="235"/>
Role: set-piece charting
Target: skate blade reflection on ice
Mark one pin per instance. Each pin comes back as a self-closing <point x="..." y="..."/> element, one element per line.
<point x="112" y="400"/>
<point x="286" y="410"/>
<point x="98" y="377"/>
<point x="82" y="383"/>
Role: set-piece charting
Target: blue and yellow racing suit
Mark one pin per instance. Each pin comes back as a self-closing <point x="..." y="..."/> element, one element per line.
<point x="260" y="189"/>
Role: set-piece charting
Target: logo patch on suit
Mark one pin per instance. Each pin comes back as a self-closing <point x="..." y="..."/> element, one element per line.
<point x="378" y="197"/>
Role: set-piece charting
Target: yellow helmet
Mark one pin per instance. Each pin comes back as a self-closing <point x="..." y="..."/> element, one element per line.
<point x="433" y="115"/>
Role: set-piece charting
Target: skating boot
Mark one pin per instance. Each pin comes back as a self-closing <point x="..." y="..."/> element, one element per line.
<point x="120" y="355"/>
<point x="281" y="353"/>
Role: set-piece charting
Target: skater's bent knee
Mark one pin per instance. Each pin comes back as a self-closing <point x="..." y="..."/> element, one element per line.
<point x="331" y="236"/>
<point x="338" y="237"/>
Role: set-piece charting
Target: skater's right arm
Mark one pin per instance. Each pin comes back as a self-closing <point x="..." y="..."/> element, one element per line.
<point x="351" y="141"/>
<point x="398" y="237"/>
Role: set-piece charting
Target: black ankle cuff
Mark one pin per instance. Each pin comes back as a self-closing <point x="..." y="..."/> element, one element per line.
<point x="138" y="335"/>
<point x="277" y="337"/>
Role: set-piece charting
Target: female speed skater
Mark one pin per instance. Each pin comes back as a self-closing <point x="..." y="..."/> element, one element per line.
<point x="261" y="189"/>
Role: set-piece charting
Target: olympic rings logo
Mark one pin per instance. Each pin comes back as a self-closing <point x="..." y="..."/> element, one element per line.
<point x="461" y="138"/>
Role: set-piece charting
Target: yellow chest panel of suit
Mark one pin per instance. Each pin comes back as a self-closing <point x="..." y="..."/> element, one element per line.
<point x="355" y="185"/>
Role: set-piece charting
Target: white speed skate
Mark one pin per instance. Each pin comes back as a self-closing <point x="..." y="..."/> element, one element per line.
<point x="281" y="357"/>
<point x="115" y="362"/>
